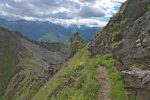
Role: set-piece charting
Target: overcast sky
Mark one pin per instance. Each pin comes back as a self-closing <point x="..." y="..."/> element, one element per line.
<point x="80" y="12"/>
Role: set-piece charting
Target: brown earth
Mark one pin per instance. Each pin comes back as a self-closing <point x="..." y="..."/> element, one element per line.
<point x="104" y="84"/>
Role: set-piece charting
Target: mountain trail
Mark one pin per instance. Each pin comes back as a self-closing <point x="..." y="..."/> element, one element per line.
<point x="104" y="84"/>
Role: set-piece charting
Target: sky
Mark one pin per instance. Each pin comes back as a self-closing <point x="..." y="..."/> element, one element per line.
<point x="65" y="12"/>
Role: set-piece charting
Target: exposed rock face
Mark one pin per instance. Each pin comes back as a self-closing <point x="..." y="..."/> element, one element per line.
<point x="127" y="36"/>
<point x="117" y="28"/>
<point x="101" y="43"/>
<point x="127" y="51"/>
<point x="138" y="84"/>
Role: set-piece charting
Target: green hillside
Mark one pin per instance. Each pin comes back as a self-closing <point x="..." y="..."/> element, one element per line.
<point x="77" y="43"/>
<point x="53" y="38"/>
<point x="8" y="59"/>
<point x="115" y="65"/>
<point x="78" y="80"/>
<point x="25" y="66"/>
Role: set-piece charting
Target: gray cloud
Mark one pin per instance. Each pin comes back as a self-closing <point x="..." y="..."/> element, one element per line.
<point x="87" y="12"/>
<point x="88" y="1"/>
<point x="62" y="15"/>
<point x="56" y="9"/>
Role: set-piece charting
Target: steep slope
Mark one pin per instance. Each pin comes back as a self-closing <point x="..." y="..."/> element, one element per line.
<point x="125" y="63"/>
<point x="53" y="38"/>
<point x="55" y="47"/>
<point x="8" y="58"/>
<point x="127" y="35"/>
<point x="78" y="79"/>
<point x="26" y="66"/>
<point x="114" y="48"/>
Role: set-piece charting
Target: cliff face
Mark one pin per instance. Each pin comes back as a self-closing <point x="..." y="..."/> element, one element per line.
<point x="122" y="32"/>
<point x="127" y="36"/>
<point x="129" y="52"/>
<point x="116" y="29"/>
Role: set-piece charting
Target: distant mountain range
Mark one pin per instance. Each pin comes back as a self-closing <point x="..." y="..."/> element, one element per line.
<point x="48" y="31"/>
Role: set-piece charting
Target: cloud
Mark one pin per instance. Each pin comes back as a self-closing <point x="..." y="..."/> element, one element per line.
<point x="87" y="12"/>
<point x="85" y="21"/>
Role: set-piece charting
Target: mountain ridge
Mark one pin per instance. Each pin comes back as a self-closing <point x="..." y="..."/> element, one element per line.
<point x="115" y="48"/>
<point x="118" y="57"/>
<point x="34" y="30"/>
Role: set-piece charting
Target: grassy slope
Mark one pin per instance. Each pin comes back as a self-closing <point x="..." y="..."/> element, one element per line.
<point x="77" y="80"/>
<point x="34" y="67"/>
<point x="8" y="59"/>
<point x="77" y="43"/>
<point x="23" y="91"/>
<point x="52" y="38"/>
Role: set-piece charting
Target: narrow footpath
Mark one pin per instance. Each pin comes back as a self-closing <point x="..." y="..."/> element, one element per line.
<point x="104" y="84"/>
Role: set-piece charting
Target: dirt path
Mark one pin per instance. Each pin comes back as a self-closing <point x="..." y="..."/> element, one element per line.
<point x="104" y="84"/>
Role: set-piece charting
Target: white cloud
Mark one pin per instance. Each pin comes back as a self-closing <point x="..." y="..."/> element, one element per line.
<point x="85" y="21"/>
<point x="87" y="12"/>
<point x="17" y="1"/>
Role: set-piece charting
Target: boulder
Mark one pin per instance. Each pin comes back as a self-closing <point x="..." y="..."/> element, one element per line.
<point x="137" y="83"/>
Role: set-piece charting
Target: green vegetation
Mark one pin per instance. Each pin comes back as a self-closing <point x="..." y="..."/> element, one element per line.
<point x="53" y="38"/>
<point x="26" y="77"/>
<point x="122" y="22"/>
<point x="77" y="80"/>
<point x="8" y="60"/>
<point x="55" y="47"/>
<point x="133" y="66"/>
<point x="23" y="89"/>
<point x="116" y="33"/>
<point x="117" y="90"/>
<point x="77" y="43"/>
<point x="148" y="6"/>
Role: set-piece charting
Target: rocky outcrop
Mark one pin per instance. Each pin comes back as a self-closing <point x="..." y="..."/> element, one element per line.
<point x="137" y="82"/>
<point x="117" y="29"/>
<point x="129" y="54"/>
<point x="77" y="43"/>
<point x="127" y="36"/>
<point x="127" y="51"/>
